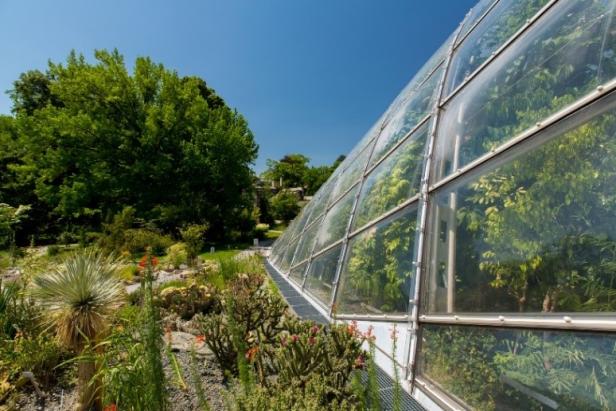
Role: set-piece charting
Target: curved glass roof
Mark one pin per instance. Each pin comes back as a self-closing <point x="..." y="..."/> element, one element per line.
<point x="480" y="212"/>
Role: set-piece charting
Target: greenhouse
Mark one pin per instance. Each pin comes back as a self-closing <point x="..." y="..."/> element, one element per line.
<point x="478" y="217"/>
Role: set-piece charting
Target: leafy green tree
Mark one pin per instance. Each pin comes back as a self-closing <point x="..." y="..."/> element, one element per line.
<point x="284" y="206"/>
<point x="290" y="170"/>
<point x="193" y="237"/>
<point x="94" y="138"/>
<point x="293" y="170"/>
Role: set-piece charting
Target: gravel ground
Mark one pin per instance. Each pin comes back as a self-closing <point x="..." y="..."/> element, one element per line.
<point x="211" y="380"/>
<point x="57" y="399"/>
<point x="210" y="375"/>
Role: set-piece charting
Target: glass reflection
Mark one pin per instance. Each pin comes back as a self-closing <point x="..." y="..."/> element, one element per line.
<point x="567" y="54"/>
<point x="537" y="234"/>
<point x="394" y="181"/>
<point x="378" y="270"/>
<point x="509" y="369"/>
<point x="495" y="29"/>
<point x="321" y="275"/>
<point x="335" y="223"/>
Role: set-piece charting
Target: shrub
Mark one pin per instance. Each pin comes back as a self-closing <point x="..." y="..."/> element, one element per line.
<point x="306" y="349"/>
<point x="261" y="230"/>
<point x="18" y="313"/>
<point x="193" y="239"/>
<point x="291" y="397"/>
<point x="128" y="273"/>
<point x="188" y="301"/>
<point x="251" y="312"/>
<point x="40" y="355"/>
<point x="53" y="250"/>
<point x="138" y="240"/>
<point x="284" y="206"/>
<point x="66" y="238"/>
<point x="176" y="255"/>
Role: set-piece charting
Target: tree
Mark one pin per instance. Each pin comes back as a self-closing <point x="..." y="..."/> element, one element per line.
<point x="284" y="206"/>
<point x="293" y="171"/>
<point x="290" y="170"/>
<point x="92" y="138"/>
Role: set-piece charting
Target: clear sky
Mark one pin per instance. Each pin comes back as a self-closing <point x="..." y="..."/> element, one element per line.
<point x="311" y="76"/>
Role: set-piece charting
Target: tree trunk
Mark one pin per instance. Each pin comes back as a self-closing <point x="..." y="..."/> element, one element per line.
<point x="88" y="386"/>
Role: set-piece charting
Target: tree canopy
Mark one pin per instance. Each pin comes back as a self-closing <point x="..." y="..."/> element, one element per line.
<point x="293" y="170"/>
<point x="90" y="138"/>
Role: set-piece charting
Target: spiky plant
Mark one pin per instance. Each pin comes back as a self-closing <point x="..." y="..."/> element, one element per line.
<point x="78" y="298"/>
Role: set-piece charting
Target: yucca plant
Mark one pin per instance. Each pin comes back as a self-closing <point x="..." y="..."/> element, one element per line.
<point x="78" y="298"/>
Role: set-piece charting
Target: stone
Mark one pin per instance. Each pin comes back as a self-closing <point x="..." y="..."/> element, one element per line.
<point x="182" y="341"/>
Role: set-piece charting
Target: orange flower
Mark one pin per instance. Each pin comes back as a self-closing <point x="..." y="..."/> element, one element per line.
<point x="251" y="353"/>
<point x="111" y="407"/>
<point x="200" y="339"/>
<point x="352" y="328"/>
<point x="143" y="263"/>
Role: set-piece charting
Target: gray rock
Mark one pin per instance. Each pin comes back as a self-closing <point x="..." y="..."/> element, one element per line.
<point x="181" y="341"/>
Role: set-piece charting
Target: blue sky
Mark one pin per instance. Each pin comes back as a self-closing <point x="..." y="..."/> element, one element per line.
<point x="311" y="76"/>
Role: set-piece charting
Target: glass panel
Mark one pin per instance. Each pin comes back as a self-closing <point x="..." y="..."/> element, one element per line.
<point x="352" y="174"/>
<point x="394" y="181"/>
<point x="335" y="223"/>
<point x="509" y="369"/>
<point x="321" y="198"/>
<point x="563" y="57"/>
<point x="497" y="27"/>
<point x="476" y="12"/>
<point x="285" y="263"/>
<point x="416" y="106"/>
<point x="537" y="234"/>
<point x="378" y="270"/>
<point x="320" y="276"/>
<point x="306" y="243"/>
<point x="297" y="273"/>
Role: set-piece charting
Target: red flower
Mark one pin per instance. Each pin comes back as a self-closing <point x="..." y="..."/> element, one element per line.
<point x="251" y="353"/>
<point x="294" y="338"/>
<point x="200" y="339"/>
<point x="111" y="407"/>
<point x="143" y="263"/>
<point x="352" y="328"/>
<point x="311" y="340"/>
<point x="368" y="335"/>
<point x="314" y="330"/>
<point x="360" y="361"/>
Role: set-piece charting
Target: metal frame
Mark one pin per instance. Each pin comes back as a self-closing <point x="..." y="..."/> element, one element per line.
<point x="413" y="324"/>
<point x="529" y="23"/>
<point x="345" y="239"/>
<point x="475" y="24"/>
<point x="561" y="321"/>
<point x="587" y="322"/>
<point x="582" y="102"/>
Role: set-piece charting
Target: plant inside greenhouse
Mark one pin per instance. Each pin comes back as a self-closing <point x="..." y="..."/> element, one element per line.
<point x="480" y="212"/>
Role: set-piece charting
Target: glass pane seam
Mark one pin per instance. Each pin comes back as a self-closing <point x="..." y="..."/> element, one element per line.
<point x="384" y="216"/>
<point x="446" y="400"/>
<point x="397" y="145"/>
<point x="345" y="242"/>
<point x="326" y="249"/>
<point x="298" y="264"/>
<point x="415" y="292"/>
<point x="529" y="23"/>
<point x="341" y="196"/>
<point x="574" y="321"/>
<point x="527" y="134"/>
<point x="479" y="20"/>
<point x="401" y="319"/>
